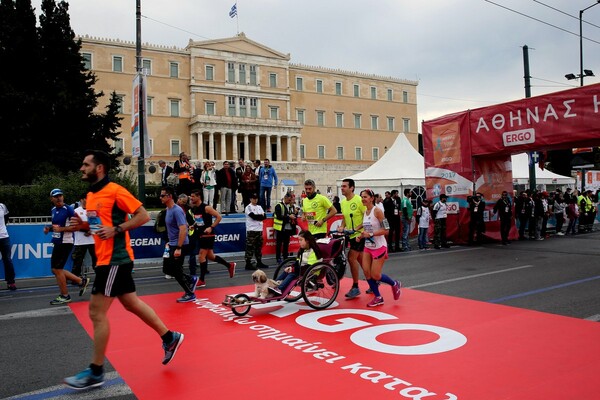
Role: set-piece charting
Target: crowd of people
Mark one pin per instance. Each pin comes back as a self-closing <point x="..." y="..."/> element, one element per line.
<point x="221" y="185"/>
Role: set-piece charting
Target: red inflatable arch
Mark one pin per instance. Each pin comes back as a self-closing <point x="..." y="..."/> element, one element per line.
<point x="470" y="150"/>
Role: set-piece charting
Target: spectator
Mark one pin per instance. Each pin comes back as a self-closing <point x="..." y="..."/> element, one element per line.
<point x="249" y="184"/>
<point x="165" y="172"/>
<point x="407" y="214"/>
<point x="391" y="207"/>
<point x="9" y="269"/>
<point x="255" y="216"/>
<point x="227" y="183"/>
<point x="503" y="208"/>
<point x="184" y="170"/>
<point x="267" y="180"/>
<point x="440" y="213"/>
<point x="209" y="182"/>
<point x="423" y="218"/>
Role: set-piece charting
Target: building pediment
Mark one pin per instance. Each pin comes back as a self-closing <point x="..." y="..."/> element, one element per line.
<point x="239" y="44"/>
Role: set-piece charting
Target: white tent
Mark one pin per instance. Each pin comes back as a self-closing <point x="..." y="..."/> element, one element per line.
<point x="520" y="172"/>
<point x="401" y="166"/>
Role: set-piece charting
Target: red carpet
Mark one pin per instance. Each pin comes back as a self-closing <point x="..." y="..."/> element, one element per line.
<point x="423" y="346"/>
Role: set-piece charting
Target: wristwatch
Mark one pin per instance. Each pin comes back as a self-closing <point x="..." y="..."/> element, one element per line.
<point x="118" y="229"/>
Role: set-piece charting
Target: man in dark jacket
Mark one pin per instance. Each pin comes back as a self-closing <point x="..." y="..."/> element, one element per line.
<point x="503" y="208"/>
<point x="227" y="182"/>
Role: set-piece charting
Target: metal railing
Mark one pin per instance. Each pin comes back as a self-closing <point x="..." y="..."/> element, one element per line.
<point x="30" y="220"/>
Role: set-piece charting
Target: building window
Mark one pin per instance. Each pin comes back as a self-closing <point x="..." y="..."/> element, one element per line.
<point x="300" y="116"/>
<point x="340" y="152"/>
<point x="375" y="153"/>
<point x="390" y="121"/>
<point x="390" y="95"/>
<point x="406" y="125"/>
<point x="209" y="72"/>
<point x="299" y="84"/>
<point x="175" y="147"/>
<point x="231" y="72"/>
<point x="147" y="67"/>
<point x="243" y="108"/>
<point x="242" y="73"/>
<point x="210" y="108"/>
<point x="254" y="107"/>
<point x="373" y="92"/>
<point x="321" y="152"/>
<point x="121" y="103"/>
<point x="273" y="112"/>
<point x="404" y="96"/>
<point x="357" y="121"/>
<point x="374" y="122"/>
<point x="87" y="60"/>
<point x="321" y="118"/>
<point x="338" y="88"/>
<point x="231" y="106"/>
<point x="118" y="145"/>
<point x="174" y="106"/>
<point x="339" y="120"/>
<point x="273" y="80"/>
<point x="356" y="90"/>
<point x="117" y="62"/>
<point x="319" y="85"/>
<point x="253" y="74"/>
<point x="358" y="153"/>
<point x="302" y="151"/>
<point x="173" y="70"/>
<point x="149" y="105"/>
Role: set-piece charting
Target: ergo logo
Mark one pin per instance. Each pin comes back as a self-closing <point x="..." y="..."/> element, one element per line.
<point x="515" y="138"/>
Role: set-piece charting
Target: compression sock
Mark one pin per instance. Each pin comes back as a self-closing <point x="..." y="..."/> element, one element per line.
<point x="203" y="269"/>
<point x="374" y="287"/>
<point x="387" y="279"/>
<point x="221" y="261"/>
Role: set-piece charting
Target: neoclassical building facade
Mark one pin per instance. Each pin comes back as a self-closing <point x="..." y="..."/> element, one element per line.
<point x="235" y="98"/>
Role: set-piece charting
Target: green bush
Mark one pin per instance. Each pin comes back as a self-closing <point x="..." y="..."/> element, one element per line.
<point x="34" y="199"/>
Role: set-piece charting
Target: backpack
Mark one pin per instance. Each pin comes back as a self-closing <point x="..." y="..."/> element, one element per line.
<point x="160" y="224"/>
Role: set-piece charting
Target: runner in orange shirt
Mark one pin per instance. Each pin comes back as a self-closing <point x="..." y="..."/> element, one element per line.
<point x="108" y="207"/>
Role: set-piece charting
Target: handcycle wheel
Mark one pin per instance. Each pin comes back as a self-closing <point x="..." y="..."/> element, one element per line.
<point x="320" y="286"/>
<point x="241" y="311"/>
<point x="296" y="292"/>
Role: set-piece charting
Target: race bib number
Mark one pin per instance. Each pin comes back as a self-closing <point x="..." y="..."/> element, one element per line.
<point x="311" y="216"/>
<point x="198" y="220"/>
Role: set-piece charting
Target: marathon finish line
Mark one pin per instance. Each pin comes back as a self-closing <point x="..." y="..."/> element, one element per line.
<point x="423" y="346"/>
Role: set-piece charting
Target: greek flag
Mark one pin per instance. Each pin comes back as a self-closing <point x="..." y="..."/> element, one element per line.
<point x="233" y="11"/>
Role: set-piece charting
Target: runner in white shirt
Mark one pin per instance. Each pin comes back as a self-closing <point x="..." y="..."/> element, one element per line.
<point x="375" y="231"/>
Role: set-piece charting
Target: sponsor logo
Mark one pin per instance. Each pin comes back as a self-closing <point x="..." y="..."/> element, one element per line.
<point x="516" y="138"/>
<point x="452" y="207"/>
<point x="456" y="189"/>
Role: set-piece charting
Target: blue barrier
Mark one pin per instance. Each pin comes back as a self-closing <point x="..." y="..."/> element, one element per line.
<point x="31" y="249"/>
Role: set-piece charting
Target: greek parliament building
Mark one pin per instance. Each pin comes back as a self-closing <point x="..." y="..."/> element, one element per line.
<point x="234" y="98"/>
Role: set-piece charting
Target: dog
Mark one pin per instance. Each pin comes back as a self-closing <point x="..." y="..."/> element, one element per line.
<point x="262" y="284"/>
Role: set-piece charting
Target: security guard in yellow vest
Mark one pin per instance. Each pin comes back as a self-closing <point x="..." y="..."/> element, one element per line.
<point x="284" y="223"/>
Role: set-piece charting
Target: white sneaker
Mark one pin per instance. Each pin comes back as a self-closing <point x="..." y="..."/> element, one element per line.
<point x="560" y="234"/>
<point x="168" y="276"/>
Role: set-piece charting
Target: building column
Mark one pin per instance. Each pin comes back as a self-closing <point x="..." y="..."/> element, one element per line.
<point x="234" y="145"/>
<point x="298" y="157"/>
<point x="211" y="146"/>
<point x="246" y="146"/>
<point x="279" y="158"/>
<point x="200" y="146"/>
<point x="289" y="148"/>
<point x="223" y="153"/>
<point x="257" y="147"/>
<point x="268" y="146"/>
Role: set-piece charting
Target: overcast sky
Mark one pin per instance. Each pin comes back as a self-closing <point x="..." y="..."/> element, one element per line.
<point x="465" y="54"/>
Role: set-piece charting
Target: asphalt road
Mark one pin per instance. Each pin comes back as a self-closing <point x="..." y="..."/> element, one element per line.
<point x="41" y="344"/>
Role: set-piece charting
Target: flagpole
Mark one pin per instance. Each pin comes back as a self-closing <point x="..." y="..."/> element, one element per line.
<point x="237" y="18"/>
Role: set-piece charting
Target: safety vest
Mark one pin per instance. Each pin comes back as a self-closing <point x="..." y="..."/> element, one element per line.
<point x="589" y="204"/>
<point x="185" y="174"/>
<point x="278" y="223"/>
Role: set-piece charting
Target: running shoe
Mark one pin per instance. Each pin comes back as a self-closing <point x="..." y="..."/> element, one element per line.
<point x="12" y="286"/>
<point x="60" y="299"/>
<point x="377" y="301"/>
<point x="186" y="298"/>
<point x="201" y="283"/>
<point x="85" y="380"/>
<point x="396" y="291"/>
<point x="354" y="292"/>
<point x="168" y="276"/>
<point x="195" y="281"/>
<point x="231" y="269"/>
<point x="83" y="285"/>
<point x="171" y="348"/>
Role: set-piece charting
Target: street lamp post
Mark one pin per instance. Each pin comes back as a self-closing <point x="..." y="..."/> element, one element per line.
<point x="582" y="72"/>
